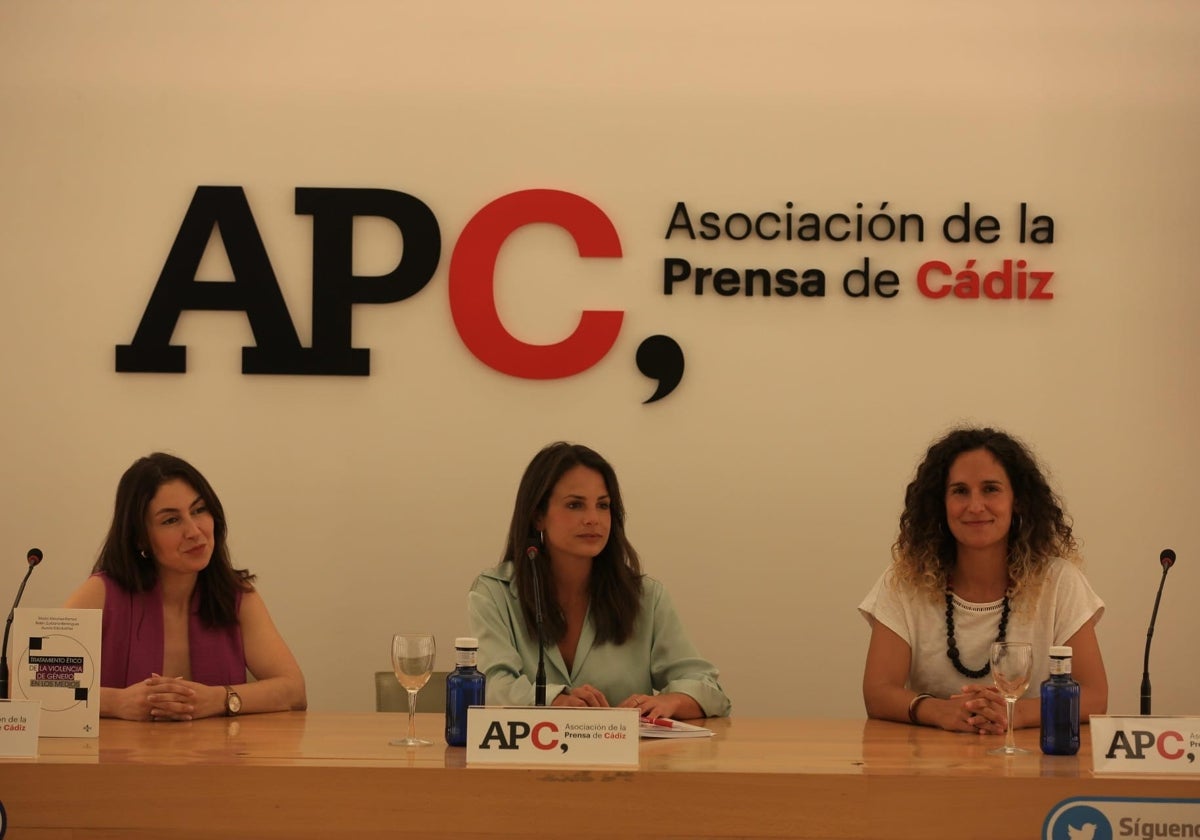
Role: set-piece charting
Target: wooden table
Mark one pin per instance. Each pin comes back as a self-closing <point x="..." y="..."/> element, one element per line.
<point x="322" y="775"/>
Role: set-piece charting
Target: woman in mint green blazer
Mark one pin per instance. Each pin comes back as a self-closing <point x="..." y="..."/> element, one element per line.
<point x="612" y="636"/>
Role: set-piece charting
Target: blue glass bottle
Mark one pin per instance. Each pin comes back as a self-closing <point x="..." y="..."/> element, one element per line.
<point x="1060" y="706"/>
<point x="464" y="688"/>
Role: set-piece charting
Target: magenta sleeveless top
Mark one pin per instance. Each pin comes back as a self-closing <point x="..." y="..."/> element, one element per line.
<point x="131" y="642"/>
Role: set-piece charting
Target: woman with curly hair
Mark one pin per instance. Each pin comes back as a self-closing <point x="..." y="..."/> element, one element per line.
<point x="985" y="553"/>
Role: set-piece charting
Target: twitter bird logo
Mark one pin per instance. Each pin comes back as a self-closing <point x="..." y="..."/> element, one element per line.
<point x="1080" y="822"/>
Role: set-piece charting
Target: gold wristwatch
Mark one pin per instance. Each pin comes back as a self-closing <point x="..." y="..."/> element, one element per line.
<point x="233" y="702"/>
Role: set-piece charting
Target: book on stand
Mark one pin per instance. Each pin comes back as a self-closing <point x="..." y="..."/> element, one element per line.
<point x="57" y="662"/>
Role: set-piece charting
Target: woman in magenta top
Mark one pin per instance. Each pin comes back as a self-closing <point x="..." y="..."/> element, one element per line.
<point x="181" y="625"/>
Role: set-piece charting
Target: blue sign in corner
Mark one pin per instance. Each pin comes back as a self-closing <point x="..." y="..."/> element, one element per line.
<point x="1104" y="818"/>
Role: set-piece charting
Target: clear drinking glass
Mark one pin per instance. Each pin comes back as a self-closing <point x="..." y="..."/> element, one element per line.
<point x="1012" y="665"/>
<point x="412" y="660"/>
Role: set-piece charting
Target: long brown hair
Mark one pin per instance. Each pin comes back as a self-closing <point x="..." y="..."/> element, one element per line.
<point x="615" y="586"/>
<point x="121" y="557"/>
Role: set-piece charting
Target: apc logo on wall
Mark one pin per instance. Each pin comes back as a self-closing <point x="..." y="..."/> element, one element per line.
<point x="336" y="289"/>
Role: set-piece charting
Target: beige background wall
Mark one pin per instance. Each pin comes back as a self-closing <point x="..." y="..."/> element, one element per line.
<point x="765" y="490"/>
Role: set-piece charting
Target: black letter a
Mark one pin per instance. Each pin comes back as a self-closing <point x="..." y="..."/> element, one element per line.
<point x="254" y="290"/>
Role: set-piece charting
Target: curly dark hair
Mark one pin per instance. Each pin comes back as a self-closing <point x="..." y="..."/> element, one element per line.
<point x="615" y="586"/>
<point x="121" y="556"/>
<point x="925" y="551"/>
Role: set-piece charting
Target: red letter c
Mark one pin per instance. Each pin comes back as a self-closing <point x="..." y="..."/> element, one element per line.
<point x="536" y="737"/>
<point x="1162" y="746"/>
<point x="472" y="285"/>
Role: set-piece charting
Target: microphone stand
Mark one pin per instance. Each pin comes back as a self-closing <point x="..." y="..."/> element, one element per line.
<point x="1149" y="635"/>
<point x="7" y="628"/>
<point x="539" y="681"/>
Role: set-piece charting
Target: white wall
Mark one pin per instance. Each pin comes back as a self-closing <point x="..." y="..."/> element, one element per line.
<point x="765" y="490"/>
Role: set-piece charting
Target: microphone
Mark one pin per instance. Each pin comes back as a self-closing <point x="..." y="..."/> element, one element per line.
<point x="33" y="557"/>
<point x="539" y="681"/>
<point x="1167" y="559"/>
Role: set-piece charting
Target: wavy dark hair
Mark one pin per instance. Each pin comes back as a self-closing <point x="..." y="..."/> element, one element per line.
<point x="615" y="586"/>
<point x="121" y="558"/>
<point x="925" y="552"/>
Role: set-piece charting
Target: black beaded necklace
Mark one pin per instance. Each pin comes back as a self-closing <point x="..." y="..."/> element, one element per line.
<point x="952" y="647"/>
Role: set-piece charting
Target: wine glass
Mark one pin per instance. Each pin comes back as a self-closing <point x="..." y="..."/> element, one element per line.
<point x="412" y="660"/>
<point x="1012" y="666"/>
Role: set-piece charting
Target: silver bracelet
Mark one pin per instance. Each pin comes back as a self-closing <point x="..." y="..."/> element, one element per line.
<point x="912" y="707"/>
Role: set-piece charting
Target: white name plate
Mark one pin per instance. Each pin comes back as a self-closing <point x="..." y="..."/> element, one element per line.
<point x="1145" y="744"/>
<point x="552" y="735"/>
<point x="19" y="721"/>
